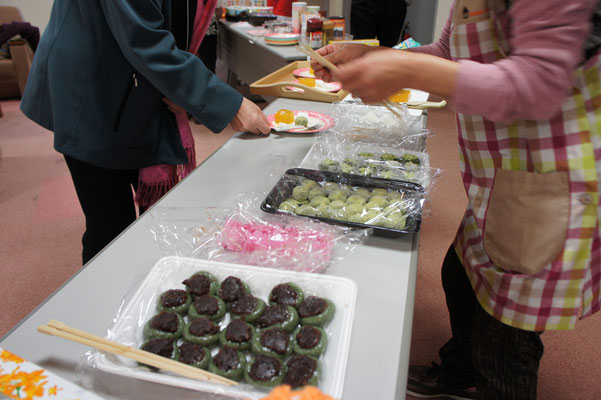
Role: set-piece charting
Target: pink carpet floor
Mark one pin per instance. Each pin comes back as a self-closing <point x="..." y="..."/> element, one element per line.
<point x="42" y="226"/>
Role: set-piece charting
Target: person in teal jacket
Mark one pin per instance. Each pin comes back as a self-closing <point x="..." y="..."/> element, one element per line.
<point x="98" y="80"/>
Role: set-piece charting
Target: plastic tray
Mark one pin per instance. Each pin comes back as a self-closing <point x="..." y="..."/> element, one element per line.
<point x="315" y="156"/>
<point x="169" y="272"/>
<point x="291" y="178"/>
<point x="278" y="84"/>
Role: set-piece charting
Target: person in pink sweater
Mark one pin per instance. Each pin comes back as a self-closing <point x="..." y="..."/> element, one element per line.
<point x="524" y="78"/>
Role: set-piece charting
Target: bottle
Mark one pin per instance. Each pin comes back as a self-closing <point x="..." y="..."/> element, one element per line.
<point x="315" y="33"/>
<point x="328" y="32"/>
<point x="297" y="8"/>
<point x="338" y="27"/>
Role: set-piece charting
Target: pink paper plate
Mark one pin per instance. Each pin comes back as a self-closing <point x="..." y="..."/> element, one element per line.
<point x="303" y="73"/>
<point x="332" y="87"/>
<point x="326" y="121"/>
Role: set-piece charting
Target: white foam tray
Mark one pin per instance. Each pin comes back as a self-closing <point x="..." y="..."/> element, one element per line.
<point x="169" y="272"/>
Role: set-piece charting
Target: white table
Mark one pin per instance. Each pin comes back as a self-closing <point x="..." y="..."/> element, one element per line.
<point x="384" y="270"/>
<point x="236" y="46"/>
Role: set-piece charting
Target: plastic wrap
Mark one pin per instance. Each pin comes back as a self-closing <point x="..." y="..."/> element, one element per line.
<point x="245" y="236"/>
<point x="375" y="123"/>
<point x="336" y="153"/>
<point x="140" y="305"/>
<point x="391" y="208"/>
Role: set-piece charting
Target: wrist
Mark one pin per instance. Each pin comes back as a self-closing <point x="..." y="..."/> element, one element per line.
<point x="432" y="74"/>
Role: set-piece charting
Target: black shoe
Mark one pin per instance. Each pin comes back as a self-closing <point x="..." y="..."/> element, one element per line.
<point x="425" y="382"/>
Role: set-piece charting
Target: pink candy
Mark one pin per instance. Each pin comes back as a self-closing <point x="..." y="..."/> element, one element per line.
<point x="286" y="246"/>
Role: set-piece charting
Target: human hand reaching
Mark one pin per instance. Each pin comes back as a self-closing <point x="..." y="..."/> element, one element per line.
<point x="377" y="75"/>
<point x="250" y="119"/>
<point x="337" y="54"/>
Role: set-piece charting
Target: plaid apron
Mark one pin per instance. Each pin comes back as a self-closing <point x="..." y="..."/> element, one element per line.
<point x="556" y="165"/>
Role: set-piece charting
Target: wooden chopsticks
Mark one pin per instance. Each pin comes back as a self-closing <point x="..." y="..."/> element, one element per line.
<point x="305" y="48"/>
<point x="420" y="105"/>
<point x="57" y="328"/>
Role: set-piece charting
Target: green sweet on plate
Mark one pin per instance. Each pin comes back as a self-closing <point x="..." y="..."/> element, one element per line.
<point x="388" y="157"/>
<point x="329" y="165"/>
<point x="289" y="205"/>
<point x="301" y="120"/>
<point x="176" y="300"/>
<point x="264" y="371"/>
<point x="338" y="204"/>
<point x="237" y="335"/>
<point x="201" y="331"/>
<point x="316" y="192"/>
<point x="208" y="306"/>
<point x="302" y="370"/>
<point x="356" y="199"/>
<point x="309" y="340"/>
<point x="301" y="193"/>
<point x="164" y="325"/>
<point x="194" y="355"/>
<point x="229" y="363"/>
<point x="337" y="195"/>
<point x="307" y="210"/>
<point x="316" y="311"/>
<point x="273" y="342"/>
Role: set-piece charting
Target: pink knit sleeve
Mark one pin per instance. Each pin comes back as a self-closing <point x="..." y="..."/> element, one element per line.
<point x="546" y="45"/>
<point x="441" y="47"/>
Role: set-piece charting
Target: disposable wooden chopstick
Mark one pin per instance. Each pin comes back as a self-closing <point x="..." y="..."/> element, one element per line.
<point x="390" y="105"/>
<point x="59" y="329"/>
<point x="305" y="48"/>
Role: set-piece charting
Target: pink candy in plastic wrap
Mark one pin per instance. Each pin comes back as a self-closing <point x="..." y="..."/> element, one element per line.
<point x="286" y="247"/>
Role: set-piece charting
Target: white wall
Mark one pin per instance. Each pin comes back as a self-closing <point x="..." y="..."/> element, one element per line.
<point x="442" y="13"/>
<point x="36" y="12"/>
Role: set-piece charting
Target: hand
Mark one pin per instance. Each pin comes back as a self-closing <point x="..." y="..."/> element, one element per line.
<point x="377" y="75"/>
<point x="171" y="106"/>
<point x="251" y="119"/>
<point x="337" y="54"/>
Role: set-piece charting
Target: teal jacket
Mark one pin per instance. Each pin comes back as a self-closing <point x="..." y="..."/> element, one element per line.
<point x="98" y="77"/>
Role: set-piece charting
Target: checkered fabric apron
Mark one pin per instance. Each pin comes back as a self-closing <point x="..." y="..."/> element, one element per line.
<point x="569" y="286"/>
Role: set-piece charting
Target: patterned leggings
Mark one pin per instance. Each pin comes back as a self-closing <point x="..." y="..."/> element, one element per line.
<point x="501" y="361"/>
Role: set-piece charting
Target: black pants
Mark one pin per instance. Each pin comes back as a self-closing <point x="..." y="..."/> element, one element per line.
<point x="501" y="361"/>
<point x="378" y="18"/>
<point x="107" y="201"/>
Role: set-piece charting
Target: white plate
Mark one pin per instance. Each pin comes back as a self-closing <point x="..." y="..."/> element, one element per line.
<point x="169" y="272"/>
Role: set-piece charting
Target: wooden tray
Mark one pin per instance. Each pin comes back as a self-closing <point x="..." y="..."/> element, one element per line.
<point x="277" y="83"/>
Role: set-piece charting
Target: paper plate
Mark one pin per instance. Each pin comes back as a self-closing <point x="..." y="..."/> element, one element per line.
<point x="281" y="38"/>
<point x="330" y="87"/>
<point x="325" y="122"/>
<point x="303" y="73"/>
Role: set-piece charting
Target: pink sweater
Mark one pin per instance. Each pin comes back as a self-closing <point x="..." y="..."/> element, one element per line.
<point x="546" y="46"/>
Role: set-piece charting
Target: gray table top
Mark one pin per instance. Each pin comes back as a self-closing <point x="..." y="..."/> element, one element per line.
<point x="289" y="53"/>
<point x="383" y="269"/>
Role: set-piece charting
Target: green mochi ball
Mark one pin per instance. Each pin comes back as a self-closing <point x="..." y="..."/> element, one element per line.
<point x="301" y="193"/>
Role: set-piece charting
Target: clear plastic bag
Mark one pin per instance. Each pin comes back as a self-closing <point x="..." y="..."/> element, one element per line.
<point x="390" y="208"/>
<point x="245" y="236"/>
<point x="336" y="153"/>
<point x="378" y="124"/>
<point x="139" y="306"/>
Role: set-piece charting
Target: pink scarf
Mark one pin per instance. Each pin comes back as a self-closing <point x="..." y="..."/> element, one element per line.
<point x="157" y="180"/>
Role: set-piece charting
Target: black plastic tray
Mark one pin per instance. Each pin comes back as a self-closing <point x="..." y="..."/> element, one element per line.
<point x="291" y="178"/>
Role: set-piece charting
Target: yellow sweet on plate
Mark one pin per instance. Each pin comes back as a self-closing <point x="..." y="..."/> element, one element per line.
<point x="400" y="96"/>
<point x="284" y="117"/>
<point x="307" y="81"/>
<point x="311" y="72"/>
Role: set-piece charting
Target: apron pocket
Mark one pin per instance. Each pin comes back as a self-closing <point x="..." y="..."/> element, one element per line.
<point x="527" y="220"/>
